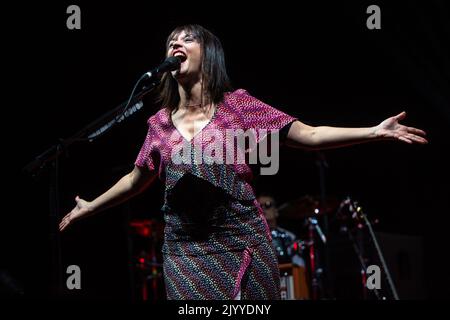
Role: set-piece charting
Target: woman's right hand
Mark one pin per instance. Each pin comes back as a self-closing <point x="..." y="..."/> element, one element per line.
<point x="81" y="210"/>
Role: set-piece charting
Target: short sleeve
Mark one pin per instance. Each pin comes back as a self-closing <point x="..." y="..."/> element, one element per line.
<point x="258" y="115"/>
<point x="284" y="132"/>
<point x="148" y="155"/>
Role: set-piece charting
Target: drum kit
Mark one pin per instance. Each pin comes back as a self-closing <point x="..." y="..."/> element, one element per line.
<point x="302" y="260"/>
<point x="292" y="252"/>
<point x="147" y="235"/>
<point x="309" y="279"/>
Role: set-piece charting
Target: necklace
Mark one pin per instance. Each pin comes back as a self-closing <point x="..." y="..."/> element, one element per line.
<point x="193" y="105"/>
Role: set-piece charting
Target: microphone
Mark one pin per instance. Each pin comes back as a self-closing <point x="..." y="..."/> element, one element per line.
<point x="170" y="64"/>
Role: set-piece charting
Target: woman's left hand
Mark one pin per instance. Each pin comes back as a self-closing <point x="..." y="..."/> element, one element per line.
<point x="392" y="129"/>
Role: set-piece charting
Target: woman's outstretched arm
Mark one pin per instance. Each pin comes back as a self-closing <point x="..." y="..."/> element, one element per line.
<point x="128" y="186"/>
<point x="315" y="138"/>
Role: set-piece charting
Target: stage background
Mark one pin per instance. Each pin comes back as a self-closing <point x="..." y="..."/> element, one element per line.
<point x="316" y="62"/>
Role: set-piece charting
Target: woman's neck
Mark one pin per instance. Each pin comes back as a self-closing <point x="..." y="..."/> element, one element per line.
<point x="191" y="96"/>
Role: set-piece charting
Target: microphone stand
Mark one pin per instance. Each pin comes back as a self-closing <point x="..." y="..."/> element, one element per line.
<point x="50" y="158"/>
<point x="360" y="214"/>
<point x="357" y="247"/>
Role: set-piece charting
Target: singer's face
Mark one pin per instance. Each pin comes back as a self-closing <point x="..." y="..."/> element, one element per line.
<point x="187" y="47"/>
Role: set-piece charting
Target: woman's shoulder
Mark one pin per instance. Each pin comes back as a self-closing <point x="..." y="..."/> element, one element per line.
<point x="238" y="97"/>
<point x="161" y="117"/>
<point x="236" y="93"/>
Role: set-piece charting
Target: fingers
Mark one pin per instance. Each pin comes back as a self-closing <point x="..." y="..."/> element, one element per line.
<point x="404" y="139"/>
<point x="411" y="138"/>
<point x="416" y="131"/>
<point x="68" y="217"/>
<point x="413" y="134"/>
<point x="417" y="139"/>
<point x="65" y="221"/>
<point x="400" y="116"/>
<point x="63" y="224"/>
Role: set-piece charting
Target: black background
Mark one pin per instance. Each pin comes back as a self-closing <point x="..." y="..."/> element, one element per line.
<point x="318" y="62"/>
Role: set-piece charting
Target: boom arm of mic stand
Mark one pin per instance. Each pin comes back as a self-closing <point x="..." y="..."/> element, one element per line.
<point x="34" y="166"/>
<point x="51" y="156"/>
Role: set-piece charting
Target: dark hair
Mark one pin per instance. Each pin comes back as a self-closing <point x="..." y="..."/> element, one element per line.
<point x="214" y="74"/>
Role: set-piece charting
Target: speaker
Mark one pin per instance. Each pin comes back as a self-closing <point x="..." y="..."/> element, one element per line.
<point x="404" y="256"/>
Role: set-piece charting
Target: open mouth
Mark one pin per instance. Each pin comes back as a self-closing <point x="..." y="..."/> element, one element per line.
<point x="180" y="55"/>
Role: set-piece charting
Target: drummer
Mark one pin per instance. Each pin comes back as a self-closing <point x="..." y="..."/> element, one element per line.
<point x="279" y="235"/>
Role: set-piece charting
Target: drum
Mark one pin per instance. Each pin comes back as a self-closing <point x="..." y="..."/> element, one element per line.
<point x="293" y="276"/>
<point x="282" y="243"/>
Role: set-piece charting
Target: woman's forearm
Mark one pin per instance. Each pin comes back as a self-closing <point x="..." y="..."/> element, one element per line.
<point x="332" y="137"/>
<point x="128" y="186"/>
<point x="322" y="137"/>
<point x="117" y="194"/>
<point x="125" y="188"/>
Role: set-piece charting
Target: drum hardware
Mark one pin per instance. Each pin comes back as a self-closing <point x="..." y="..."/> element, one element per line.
<point x="309" y="209"/>
<point x="148" y="233"/>
<point x="316" y="271"/>
<point x="307" y="206"/>
<point x="315" y="225"/>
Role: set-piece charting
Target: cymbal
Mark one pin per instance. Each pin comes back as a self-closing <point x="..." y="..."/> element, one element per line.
<point x="306" y="206"/>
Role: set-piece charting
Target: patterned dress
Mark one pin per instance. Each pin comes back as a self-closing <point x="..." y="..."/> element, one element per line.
<point x="217" y="243"/>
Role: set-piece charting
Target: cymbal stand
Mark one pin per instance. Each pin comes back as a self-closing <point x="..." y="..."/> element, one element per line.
<point x="154" y="268"/>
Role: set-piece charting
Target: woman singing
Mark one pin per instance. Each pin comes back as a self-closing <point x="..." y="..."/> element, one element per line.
<point x="217" y="243"/>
